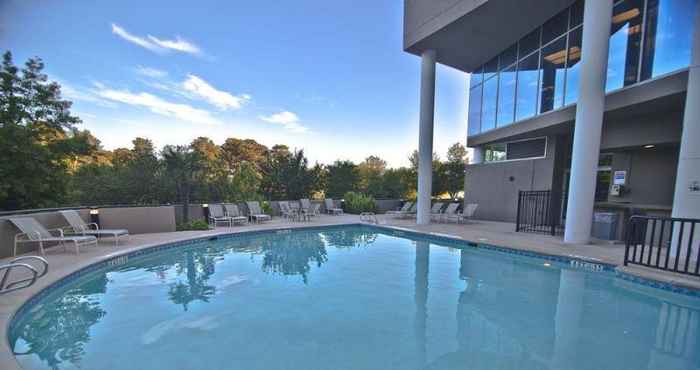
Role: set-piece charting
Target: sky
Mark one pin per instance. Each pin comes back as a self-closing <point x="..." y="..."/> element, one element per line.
<point x="329" y="77"/>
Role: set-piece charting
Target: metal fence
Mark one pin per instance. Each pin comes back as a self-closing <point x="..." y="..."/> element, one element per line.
<point x="664" y="243"/>
<point x="537" y="213"/>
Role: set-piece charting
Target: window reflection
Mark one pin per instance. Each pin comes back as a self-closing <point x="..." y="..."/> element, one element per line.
<point x="506" y="97"/>
<point x="475" y="77"/>
<point x="553" y="62"/>
<point x="488" y="106"/>
<point x="528" y="87"/>
<point x="529" y="43"/>
<point x="555" y="27"/>
<point x="572" y="66"/>
<point x="490" y="68"/>
<point x="475" y="110"/>
<point x="576" y="14"/>
<point x="625" y="39"/>
<point x="669" y="31"/>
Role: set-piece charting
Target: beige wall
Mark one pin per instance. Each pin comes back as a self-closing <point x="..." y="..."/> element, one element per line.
<point x="138" y="220"/>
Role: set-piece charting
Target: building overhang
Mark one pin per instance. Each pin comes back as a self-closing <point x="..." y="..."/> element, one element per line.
<point x="467" y="33"/>
<point x="665" y="93"/>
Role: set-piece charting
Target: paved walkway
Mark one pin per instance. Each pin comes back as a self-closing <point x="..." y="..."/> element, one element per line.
<point x="494" y="233"/>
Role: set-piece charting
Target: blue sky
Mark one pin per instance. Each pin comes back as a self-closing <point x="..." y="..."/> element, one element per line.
<point x="326" y="76"/>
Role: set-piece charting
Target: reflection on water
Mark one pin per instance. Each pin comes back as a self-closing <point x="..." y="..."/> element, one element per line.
<point x="395" y="305"/>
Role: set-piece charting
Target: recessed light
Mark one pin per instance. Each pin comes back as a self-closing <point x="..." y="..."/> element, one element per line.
<point x="547" y="264"/>
<point x="649" y="146"/>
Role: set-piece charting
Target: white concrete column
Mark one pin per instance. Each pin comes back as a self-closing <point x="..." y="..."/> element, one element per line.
<point x="572" y="284"/>
<point x="686" y="202"/>
<point x="477" y="155"/>
<point x="589" y="120"/>
<point x="425" y="136"/>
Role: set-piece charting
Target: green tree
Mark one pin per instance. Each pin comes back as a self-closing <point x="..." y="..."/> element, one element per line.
<point x="341" y="177"/>
<point x="371" y="172"/>
<point x="454" y="169"/>
<point x="286" y="175"/>
<point x="182" y="166"/>
<point x="214" y="172"/>
<point x="236" y="151"/>
<point x="37" y="139"/>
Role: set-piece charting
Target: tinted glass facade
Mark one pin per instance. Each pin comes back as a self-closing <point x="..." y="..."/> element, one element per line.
<point x="540" y="72"/>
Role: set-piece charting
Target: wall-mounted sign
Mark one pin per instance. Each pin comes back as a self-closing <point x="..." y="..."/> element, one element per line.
<point x="694" y="187"/>
<point x="619" y="177"/>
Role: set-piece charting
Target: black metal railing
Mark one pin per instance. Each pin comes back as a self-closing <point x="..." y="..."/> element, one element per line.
<point x="664" y="243"/>
<point x="537" y="213"/>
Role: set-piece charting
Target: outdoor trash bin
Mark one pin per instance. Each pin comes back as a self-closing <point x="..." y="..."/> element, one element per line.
<point x="604" y="225"/>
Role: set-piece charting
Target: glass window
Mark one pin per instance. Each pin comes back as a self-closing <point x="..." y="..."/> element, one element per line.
<point x="625" y="39"/>
<point x="474" y="118"/>
<point x="495" y="152"/>
<point x="488" y="106"/>
<point x="573" y="64"/>
<point x="475" y="77"/>
<point x="529" y="43"/>
<point x="528" y="87"/>
<point x="555" y="27"/>
<point x="552" y="79"/>
<point x="508" y="57"/>
<point x="490" y="68"/>
<point x="576" y="14"/>
<point x="506" y="97"/>
<point x="668" y="36"/>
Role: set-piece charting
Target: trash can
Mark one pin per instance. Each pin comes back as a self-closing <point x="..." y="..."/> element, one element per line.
<point x="604" y="225"/>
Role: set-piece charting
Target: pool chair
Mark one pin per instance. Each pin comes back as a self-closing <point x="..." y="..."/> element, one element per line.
<point x="314" y="210"/>
<point x="467" y="214"/>
<point x="34" y="232"/>
<point x="217" y="216"/>
<point x="436" y="210"/>
<point x="305" y="204"/>
<point x="255" y="213"/>
<point x="286" y="211"/>
<point x="405" y="208"/>
<point x="79" y="227"/>
<point x="411" y="213"/>
<point x="331" y="209"/>
<point x="234" y="214"/>
<point x="450" y="213"/>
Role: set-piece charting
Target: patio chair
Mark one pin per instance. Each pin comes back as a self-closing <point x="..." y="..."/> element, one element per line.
<point x="450" y="213"/>
<point x="405" y="208"/>
<point x="255" y="213"/>
<point x="411" y="211"/>
<point x="436" y="210"/>
<point x="467" y="214"/>
<point x="33" y="232"/>
<point x="79" y="227"/>
<point x="286" y="211"/>
<point x="234" y="213"/>
<point x="217" y="216"/>
<point x="314" y="210"/>
<point x="331" y="209"/>
<point x="305" y="204"/>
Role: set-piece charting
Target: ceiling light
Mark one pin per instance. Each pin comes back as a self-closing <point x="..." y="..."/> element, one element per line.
<point x="547" y="264"/>
<point x="649" y="146"/>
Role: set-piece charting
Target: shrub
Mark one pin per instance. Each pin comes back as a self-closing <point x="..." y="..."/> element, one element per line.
<point x="193" y="225"/>
<point x="357" y="203"/>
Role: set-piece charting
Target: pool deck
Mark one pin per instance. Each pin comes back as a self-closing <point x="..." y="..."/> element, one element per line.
<point x="62" y="263"/>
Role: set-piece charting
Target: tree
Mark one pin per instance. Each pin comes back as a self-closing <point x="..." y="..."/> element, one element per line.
<point x="286" y="175"/>
<point x="182" y="165"/>
<point x="37" y="139"/>
<point x="341" y="177"/>
<point x="454" y="169"/>
<point x="244" y="183"/>
<point x="214" y="172"/>
<point x="371" y="172"/>
<point x="236" y="151"/>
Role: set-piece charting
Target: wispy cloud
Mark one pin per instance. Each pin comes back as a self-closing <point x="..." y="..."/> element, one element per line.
<point x="151" y="72"/>
<point x="288" y="119"/>
<point x="220" y="99"/>
<point x="157" y="105"/>
<point x="71" y="93"/>
<point x="155" y="44"/>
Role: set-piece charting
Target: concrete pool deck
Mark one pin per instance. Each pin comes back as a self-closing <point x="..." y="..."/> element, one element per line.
<point x="484" y="232"/>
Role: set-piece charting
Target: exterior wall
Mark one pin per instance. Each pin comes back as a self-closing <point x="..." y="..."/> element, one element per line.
<point x="651" y="176"/>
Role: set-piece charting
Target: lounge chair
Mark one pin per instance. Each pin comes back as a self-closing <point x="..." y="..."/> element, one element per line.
<point x="305" y="204"/>
<point x="314" y="211"/>
<point x="331" y="209"/>
<point x="286" y="211"/>
<point x="436" y="210"/>
<point x="217" y="216"/>
<point x="234" y="214"/>
<point x="467" y="214"/>
<point x="33" y="232"/>
<point x="405" y="208"/>
<point x="449" y="213"/>
<point x="255" y="213"/>
<point x="79" y="227"/>
<point x="411" y="211"/>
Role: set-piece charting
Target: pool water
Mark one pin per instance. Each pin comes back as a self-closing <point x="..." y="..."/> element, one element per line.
<point x="354" y="298"/>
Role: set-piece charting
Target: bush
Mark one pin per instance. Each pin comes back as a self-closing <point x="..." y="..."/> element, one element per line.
<point x="193" y="225"/>
<point x="357" y="203"/>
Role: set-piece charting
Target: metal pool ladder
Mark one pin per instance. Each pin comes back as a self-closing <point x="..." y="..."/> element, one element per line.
<point x="21" y="266"/>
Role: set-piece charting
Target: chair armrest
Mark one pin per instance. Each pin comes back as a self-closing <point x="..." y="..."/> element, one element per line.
<point x="57" y="230"/>
<point x="24" y="237"/>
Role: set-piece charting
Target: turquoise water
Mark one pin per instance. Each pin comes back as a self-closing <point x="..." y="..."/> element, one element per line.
<point x="352" y="298"/>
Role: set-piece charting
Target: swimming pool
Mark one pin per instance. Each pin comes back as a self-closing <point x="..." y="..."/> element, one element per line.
<point x="352" y="297"/>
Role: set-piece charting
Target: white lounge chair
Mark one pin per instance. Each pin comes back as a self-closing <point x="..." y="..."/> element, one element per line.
<point x="234" y="214"/>
<point x="467" y="213"/>
<point x="33" y="232"/>
<point x="305" y="204"/>
<point x="331" y="209"/>
<point x="449" y="213"/>
<point x="255" y="213"/>
<point x="404" y="209"/>
<point x="411" y="211"/>
<point x="217" y="216"/>
<point x="78" y="226"/>
<point x="436" y="210"/>
<point x="286" y="211"/>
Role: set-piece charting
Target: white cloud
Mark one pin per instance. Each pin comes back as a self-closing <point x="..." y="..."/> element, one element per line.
<point x="220" y="99"/>
<point x="151" y="72"/>
<point x="155" y="44"/>
<point x="158" y="105"/>
<point x="71" y="93"/>
<point x="288" y="119"/>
